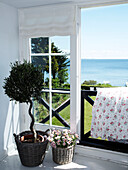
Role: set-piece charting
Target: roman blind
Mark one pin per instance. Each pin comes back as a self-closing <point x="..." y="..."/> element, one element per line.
<point x="47" y="21"/>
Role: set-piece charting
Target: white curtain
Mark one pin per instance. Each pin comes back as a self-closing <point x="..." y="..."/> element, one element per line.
<point x="47" y="21"/>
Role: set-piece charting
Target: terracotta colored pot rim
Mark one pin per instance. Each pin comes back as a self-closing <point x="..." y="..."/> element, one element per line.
<point x="30" y="136"/>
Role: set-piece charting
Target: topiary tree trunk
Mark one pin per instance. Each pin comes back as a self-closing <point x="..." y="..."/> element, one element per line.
<point x="32" y="121"/>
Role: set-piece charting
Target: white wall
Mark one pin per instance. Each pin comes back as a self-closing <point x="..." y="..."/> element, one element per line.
<point x="9" y="52"/>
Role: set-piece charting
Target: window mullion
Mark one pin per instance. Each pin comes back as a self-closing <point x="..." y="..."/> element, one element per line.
<point x="30" y="53"/>
<point x="45" y="54"/>
<point x="50" y="82"/>
<point x="39" y="54"/>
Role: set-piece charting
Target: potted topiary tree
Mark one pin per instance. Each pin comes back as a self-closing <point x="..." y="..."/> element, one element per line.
<point x="23" y="85"/>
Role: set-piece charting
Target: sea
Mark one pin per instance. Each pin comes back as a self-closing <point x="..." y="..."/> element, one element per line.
<point x="113" y="71"/>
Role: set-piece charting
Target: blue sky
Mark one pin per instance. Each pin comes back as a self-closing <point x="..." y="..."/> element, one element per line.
<point x="62" y="42"/>
<point x="104" y="32"/>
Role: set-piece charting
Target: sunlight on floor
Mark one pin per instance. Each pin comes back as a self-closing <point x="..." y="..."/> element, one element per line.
<point x="71" y="165"/>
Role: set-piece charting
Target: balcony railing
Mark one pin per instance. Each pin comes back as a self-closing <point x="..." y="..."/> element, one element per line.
<point x="85" y="136"/>
<point x="55" y="112"/>
<point x="57" y="106"/>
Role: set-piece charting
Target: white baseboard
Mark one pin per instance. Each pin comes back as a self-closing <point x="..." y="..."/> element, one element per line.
<point x="117" y="157"/>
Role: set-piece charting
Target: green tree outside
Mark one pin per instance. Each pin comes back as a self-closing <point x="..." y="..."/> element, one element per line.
<point x="60" y="75"/>
<point x="60" y="63"/>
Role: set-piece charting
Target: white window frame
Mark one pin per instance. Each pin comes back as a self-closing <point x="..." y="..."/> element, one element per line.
<point x="75" y="75"/>
<point x="75" y="79"/>
<point x="77" y="46"/>
<point x="50" y="90"/>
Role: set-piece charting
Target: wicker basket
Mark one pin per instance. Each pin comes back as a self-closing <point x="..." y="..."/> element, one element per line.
<point x="63" y="155"/>
<point x="31" y="154"/>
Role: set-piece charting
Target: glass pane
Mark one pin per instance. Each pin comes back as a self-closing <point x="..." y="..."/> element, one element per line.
<point x="61" y="72"/>
<point x="43" y="62"/>
<point x="41" y="109"/>
<point x="104" y="39"/>
<point x="40" y="45"/>
<point x="61" y="107"/>
<point x="60" y="44"/>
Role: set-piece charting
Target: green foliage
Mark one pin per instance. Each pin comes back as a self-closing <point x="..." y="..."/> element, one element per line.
<point x="41" y="62"/>
<point x="66" y="86"/>
<point x="55" y="49"/>
<point x="40" y="45"/>
<point x="41" y="112"/>
<point x="65" y="113"/>
<point x="63" y="76"/>
<point x="88" y="115"/>
<point x="104" y="85"/>
<point x="90" y="82"/>
<point x="59" y="64"/>
<point x="55" y="83"/>
<point x="59" y="70"/>
<point x="25" y="81"/>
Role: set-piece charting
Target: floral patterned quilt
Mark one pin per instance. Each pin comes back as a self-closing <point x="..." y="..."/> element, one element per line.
<point x="110" y="114"/>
